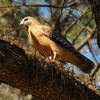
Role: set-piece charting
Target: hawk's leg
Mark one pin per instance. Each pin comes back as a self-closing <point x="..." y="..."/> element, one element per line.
<point x="51" y="58"/>
<point x="36" y="52"/>
<point x="54" y="56"/>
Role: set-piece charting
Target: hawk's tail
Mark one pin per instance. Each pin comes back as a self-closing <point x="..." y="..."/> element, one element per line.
<point x="82" y="62"/>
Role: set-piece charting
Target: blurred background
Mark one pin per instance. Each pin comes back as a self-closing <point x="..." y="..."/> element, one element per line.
<point x="74" y="19"/>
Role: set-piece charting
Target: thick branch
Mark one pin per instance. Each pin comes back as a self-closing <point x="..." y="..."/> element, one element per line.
<point x="45" y="81"/>
<point x="96" y="12"/>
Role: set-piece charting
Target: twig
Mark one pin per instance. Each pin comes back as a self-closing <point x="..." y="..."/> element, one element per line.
<point x="91" y="51"/>
<point x="94" y="73"/>
<point x="51" y="10"/>
<point x="86" y="40"/>
<point x="75" y="19"/>
<point x="63" y="3"/>
<point x="38" y="5"/>
<point x="74" y="40"/>
<point x="72" y="24"/>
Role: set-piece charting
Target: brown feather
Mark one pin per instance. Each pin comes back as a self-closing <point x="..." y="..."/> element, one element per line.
<point x="46" y="42"/>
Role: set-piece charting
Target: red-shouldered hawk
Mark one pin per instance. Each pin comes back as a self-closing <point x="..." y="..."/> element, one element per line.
<point x="50" y="43"/>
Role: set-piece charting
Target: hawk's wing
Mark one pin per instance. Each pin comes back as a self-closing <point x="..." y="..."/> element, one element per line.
<point x="58" y="38"/>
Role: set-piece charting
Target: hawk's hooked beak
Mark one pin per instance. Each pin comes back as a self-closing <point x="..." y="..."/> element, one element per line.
<point x="22" y="22"/>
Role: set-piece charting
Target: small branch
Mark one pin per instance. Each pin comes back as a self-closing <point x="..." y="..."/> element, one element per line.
<point x="86" y="40"/>
<point x="38" y="5"/>
<point x="97" y="69"/>
<point x="85" y="28"/>
<point x="91" y="51"/>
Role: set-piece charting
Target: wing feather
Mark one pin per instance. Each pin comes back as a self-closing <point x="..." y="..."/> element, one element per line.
<point x="63" y="42"/>
<point x="58" y="38"/>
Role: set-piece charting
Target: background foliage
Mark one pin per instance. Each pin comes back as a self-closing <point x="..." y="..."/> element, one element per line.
<point x="74" y="20"/>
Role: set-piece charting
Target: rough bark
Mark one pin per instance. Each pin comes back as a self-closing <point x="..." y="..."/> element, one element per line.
<point x="45" y="81"/>
<point x="96" y="11"/>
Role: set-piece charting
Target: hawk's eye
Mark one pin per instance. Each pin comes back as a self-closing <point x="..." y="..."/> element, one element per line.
<point x="25" y="19"/>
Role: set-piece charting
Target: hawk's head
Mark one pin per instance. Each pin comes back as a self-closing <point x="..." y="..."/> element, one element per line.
<point x="27" y="21"/>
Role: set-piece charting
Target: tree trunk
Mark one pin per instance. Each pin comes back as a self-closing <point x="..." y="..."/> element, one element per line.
<point x="45" y="81"/>
<point x="96" y="11"/>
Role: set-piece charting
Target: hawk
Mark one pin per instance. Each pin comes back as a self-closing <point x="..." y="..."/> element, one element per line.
<point x="51" y="43"/>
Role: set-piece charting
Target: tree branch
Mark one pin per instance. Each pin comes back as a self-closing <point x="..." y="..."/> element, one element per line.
<point x="45" y="81"/>
<point x="86" y="40"/>
<point x="72" y="2"/>
<point x="96" y="11"/>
